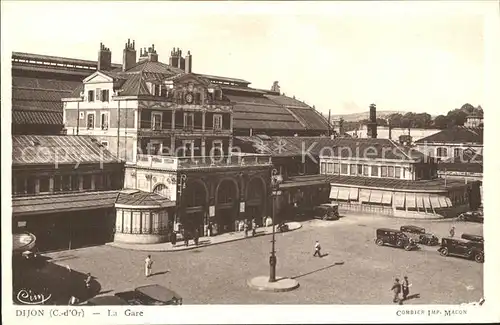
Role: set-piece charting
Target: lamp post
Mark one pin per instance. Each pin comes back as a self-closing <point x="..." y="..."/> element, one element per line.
<point x="182" y="186"/>
<point x="275" y="182"/>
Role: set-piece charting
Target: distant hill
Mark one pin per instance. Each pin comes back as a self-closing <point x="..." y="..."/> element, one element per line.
<point x="354" y="117"/>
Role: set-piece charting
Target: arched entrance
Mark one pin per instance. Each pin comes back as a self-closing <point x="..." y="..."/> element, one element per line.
<point x="161" y="189"/>
<point x="194" y="202"/>
<point x="226" y="206"/>
<point x="256" y="199"/>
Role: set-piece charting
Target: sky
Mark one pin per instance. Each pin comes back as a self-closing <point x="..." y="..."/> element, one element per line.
<point x="339" y="56"/>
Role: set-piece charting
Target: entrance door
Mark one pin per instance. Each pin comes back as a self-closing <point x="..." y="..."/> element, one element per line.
<point x="226" y="207"/>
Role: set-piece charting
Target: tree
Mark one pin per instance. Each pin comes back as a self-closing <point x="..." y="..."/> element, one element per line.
<point x="456" y="117"/>
<point x="440" y="122"/>
<point x="467" y="108"/>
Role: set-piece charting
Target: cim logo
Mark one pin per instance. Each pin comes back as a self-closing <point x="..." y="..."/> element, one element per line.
<point x="29" y="297"/>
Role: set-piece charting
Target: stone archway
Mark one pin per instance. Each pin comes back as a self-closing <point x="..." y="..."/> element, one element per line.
<point x="194" y="203"/>
<point x="256" y="195"/>
<point x="226" y="205"/>
<point x="161" y="189"/>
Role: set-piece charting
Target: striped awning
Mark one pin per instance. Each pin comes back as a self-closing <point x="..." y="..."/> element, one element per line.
<point x="387" y="198"/>
<point x="353" y="193"/>
<point x="343" y="193"/>
<point x="376" y="196"/>
<point x="448" y="201"/>
<point x="443" y="202"/>
<point x="364" y="195"/>
<point x="435" y="201"/>
<point x="410" y="200"/>
<point x="399" y="200"/>
<point x="334" y="191"/>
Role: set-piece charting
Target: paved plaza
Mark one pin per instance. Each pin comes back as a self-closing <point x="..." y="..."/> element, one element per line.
<point x="353" y="269"/>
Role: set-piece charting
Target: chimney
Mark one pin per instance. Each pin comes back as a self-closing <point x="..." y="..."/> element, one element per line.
<point x="148" y="54"/>
<point x="129" y="55"/>
<point x="341" y="126"/>
<point x="372" y="124"/>
<point x="390" y="128"/>
<point x="188" y="63"/>
<point x="104" y="58"/>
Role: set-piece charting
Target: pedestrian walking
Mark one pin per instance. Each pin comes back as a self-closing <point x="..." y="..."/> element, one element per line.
<point x="173" y="238"/>
<point x="88" y="280"/>
<point x="406" y="287"/>
<point x="186" y="238"/>
<point x="254" y="227"/>
<point x="452" y="232"/>
<point x="396" y="288"/>
<point x="196" y="236"/>
<point x="73" y="300"/>
<point x="245" y="228"/>
<point x="317" y="249"/>
<point x="148" y="264"/>
<point x="210" y="229"/>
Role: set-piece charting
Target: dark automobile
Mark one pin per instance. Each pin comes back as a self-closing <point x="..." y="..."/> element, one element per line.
<point x="105" y="301"/>
<point x="395" y="238"/>
<point x="462" y="247"/>
<point x="472" y="216"/>
<point x="471" y="237"/>
<point x="419" y="235"/>
<point x="151" y="295"/>
<point x="326" y="211"/>
<point x="282" y="227"/>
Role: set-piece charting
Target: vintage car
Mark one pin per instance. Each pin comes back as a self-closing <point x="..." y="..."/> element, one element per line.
<point x="151" y="295"/>
<point x="395" y="238"/>
<point x="472" y="216"/>
<point x="419" y="235"/>
<point x="105" y="301"/>
<point x="326" y="211"/>
<point x="472" y="237"/>
<point x="462" y="247"/>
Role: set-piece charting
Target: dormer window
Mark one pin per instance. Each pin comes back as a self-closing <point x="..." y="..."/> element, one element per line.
<point x="90" y="95"/>
<point x="156" y="90"/>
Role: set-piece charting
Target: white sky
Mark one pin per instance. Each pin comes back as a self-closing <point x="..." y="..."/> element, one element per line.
<point x="421" y="56"/>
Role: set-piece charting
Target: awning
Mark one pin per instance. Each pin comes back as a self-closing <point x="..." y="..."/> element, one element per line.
<point x="376" y="196"/>
<point x="387" y="198"/>
<point x="448" y="201"/>
<point x="427" y="201"/>
<point x="410" y="200"/>
<point x="343" y="194"/>
<point x="420" y="202"/>
<point x="435" y="201"/>
<point x="364" y="195"/>
<point x="334" y="191"/>
<point x="399" y="200"/>
<point x="443" y="202"/>
<point x="353" y="193"/>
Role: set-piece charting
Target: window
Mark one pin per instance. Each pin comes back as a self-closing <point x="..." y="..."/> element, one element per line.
<point x="352" y="169"/>
<point x="98" y="94"/>
<point x="360" y="169"/>
<point x="90" y="120"/>
<point x="375" y="171"/>
<point x="188" y="121"/>
<point x="366" y="170"/>
<point x="98" y="183"/>
<point x="330" y="168"/>
<point x="197" y="98"/>
<point x="344" y="169"/>
<point x="105" y="95"/>
<point x="75" y="183"/>
<point x="57" y="183"/>
<point x="323" y="168"/>
<point x="336" y="168"/>
<point x="30" y="185"/>
<point x="217" y="148"/>
<point x="390" y="171"/>
<point x="44" y="184"/>
<point x="104" y="121"/>
<point x="383" y="171"/>
<point x="404" y="172"/>
<point x="156" y="121"/>
<point x="156" y="90"/>
<point x="66" y="183"/>
<point x="217" y="122"/>
<point x="154" y="148"/>
<point x="442" y="152"/>
<point x="458" y="153"/>
<point x="90" y="95"/>
<point x="164" y="92"/>
<point x="397" y="172"/>
<point x="20" y="185"/>
<point x="188" y="148"/>
<point x="87" y="182"/>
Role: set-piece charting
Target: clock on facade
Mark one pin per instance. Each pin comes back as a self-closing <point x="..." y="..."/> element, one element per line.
<point x="189" y="98"/>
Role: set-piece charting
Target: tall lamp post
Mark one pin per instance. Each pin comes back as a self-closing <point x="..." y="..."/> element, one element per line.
<point x="182" y="187"/>
<point x="275" y="182"/>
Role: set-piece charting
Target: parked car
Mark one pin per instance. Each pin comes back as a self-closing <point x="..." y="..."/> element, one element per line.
<point x="462" y="247"/>
<point x="471" y="237"/>
<point x="419" y="235"/>
<point x="153" y="294"/>
<point x="395" y="238"/>
<point x="282" y="227"/>
<point x="326" y="211"/>
<point x="107" y="300"/>
<point x="472" y="216"/>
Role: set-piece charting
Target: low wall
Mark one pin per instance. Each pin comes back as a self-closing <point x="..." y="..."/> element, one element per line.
<point x="140" y="238"/>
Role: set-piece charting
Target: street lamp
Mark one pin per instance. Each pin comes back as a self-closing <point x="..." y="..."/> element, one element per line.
<point x="182" y="186"/>
<point x="275" y="182"/>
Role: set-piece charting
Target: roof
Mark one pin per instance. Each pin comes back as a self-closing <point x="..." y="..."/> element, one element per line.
<point x="437" y="184"/>
<point x="306" y="180"/>
<point x="41" y="204"/>
<point x="158" y="292"/>
<point x="35" y="117"/>
<point x="58" y="149"/>
<point x="456" y="134"/>
<point x="461" y="167"/>
<point x="328" y="147"/>
<point x="145" y="199"/>
<point x="468" y="156"/>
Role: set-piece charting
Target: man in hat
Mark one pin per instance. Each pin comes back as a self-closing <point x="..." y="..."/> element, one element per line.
<point x="148" y="264"/>
<point x="317" y="249"/>
<point x="452" y="232"/>
<point x="406" y="287"/>
<point x="396" y="288"/>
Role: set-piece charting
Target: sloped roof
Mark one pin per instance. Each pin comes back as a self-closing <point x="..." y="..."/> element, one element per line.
<point x="456" y="134"/>
<point x="461" y="167"/>
<point x="60" y="149"/>
<point x="36" y="117"/>
<point x="39" y="204"/>
<point x="325" y="146"/>
<point x="144" y="199"/>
